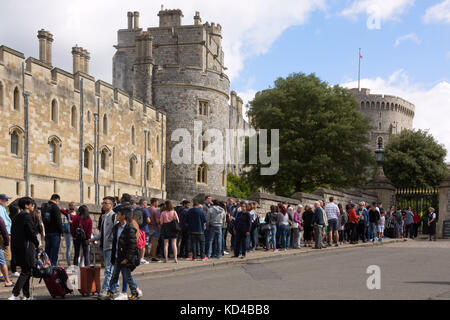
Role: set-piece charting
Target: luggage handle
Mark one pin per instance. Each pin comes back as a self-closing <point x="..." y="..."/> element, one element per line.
<point x="93" y="245"/>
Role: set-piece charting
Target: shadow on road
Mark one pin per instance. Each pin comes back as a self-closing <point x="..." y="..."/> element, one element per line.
<point x="430" y="282"/>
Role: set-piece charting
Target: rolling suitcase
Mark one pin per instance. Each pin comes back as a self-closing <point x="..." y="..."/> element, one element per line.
<point x="57" y="283"/>
<point x="90" y="279"/>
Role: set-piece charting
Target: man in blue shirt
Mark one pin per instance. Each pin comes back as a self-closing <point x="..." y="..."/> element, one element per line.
<point x="144" y="227"/>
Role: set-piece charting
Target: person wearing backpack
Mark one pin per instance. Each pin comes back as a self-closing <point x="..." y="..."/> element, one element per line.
<point x="24" y="245"/>
<point x="399" y="222"/>
<point x="67" y="218"/>
<point x="51" y="216"/>
<point x="81" y="230"/>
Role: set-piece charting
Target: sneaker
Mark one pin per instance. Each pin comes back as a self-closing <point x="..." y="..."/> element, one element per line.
<point x="242" y="257"/>
<point x="205" y="259"/>
<point x="275" y="250"/>
<point x="107" y="296"/>
<point x="143" y="261"/>
<point x="134" y="296"/>
<point x="190" y="257"/>
<point x="155" y="260"/>
<point x="25" y="298"/>
<point x="226" y="252"/>
<point x="13" y="297"/>
<point x="15" y="275"/>
<point x="121" y="296"/>
<point x="139" y="291"/>
<point x="267" y="250"/>
<point x="336" y="245"/>
<point x="193" y="259"/>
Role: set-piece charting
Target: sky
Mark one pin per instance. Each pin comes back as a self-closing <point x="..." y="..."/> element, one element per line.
<point x="405" y="43"/>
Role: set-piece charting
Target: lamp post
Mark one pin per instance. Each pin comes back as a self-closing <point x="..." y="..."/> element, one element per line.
<point x="379" y="155"/>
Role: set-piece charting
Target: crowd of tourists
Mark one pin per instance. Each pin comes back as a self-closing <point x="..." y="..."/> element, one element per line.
<point x="127" y="230"/>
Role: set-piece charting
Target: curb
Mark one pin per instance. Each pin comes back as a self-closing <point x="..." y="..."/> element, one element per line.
<point x="209" y="265"/>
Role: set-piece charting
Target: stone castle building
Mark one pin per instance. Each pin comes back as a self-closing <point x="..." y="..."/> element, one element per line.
<point x="388" y="115"/>
<point x="63" y="132"/>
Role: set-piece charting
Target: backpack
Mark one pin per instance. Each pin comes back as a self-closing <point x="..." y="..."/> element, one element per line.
<point x="79" y="235"/>
<point x="398" y="216"/>
<point x="46" y="215"/>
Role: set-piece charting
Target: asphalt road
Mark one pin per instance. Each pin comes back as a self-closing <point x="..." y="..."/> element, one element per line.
<point x="408" y="271"/>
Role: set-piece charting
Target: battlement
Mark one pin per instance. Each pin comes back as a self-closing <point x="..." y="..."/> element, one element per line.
<point x="170" y="18"/>
<point x="213" y="28"/>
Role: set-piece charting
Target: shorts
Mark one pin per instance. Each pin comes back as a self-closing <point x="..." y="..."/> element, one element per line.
<point x="2" y="257"/>
<point x="332" y="225"/>
<point x="169" y="237"/>
<point x="154" y="237"/>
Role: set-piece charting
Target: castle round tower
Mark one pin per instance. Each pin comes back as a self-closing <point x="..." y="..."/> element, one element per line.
<point x="388" y="114"/>
<point x="188" y="83"/>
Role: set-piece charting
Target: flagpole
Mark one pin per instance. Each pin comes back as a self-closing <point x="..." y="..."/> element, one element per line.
<point x="359" y="70"/>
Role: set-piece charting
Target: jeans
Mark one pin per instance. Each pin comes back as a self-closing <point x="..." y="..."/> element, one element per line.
<point x="108" y="269"/>
<point x="77" y="246"/>
<point x="126" y="272"/>
<point x="409" y="230"/>
<point x="215" y="238"/>
<point x="284" y="231"/>
<point x="247" y="242"/>
<point x="278" y="235"/>
<point x="184" y="245"/>
<point x="52" y="242"/>
<point x="318" y="231"/>
<point x="254" y="239"/>
<point x="69" y="241"/>
<point x="224" y="239"/>
<point x="241" y="244"/>
<point x="125" y="281"/>
<point x="372" y="230"/>
<point x="193" y="240"/>
<point x="272" y="232"/>
<point x="23" y="283"/>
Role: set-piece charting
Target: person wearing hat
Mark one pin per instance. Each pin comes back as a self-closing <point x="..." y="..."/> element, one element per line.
<point x="5" y="251"/>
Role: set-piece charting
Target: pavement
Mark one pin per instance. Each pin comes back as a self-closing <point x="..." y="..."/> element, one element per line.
<point x="260" y="256"/>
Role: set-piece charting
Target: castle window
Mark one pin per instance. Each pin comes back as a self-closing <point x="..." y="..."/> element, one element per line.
<point x="89" y="116"/>
<point x="55" y="148"/>
<point x="73" y="117"/>
<point x="382" y="106"/>
<point x="133" y="136"/>
<point x="133" y="163"/>
<point x="105" y="125"/>
<point x="367" y="105"/>
<point x="149" y="141"/>
<point x="16" y="99"/>
<point x="373" y="105"/>
<point x="1" y="94"/>
<point x="148" y="171"/>
<point x="157" y="144"/>
<point x="223" y="179"/>
<point x="203" y="108"/>
<point x="378" y="106"/>
<point x="87" y="157"/>
<point x="16" y="141"/>
<point x="104" y="159"/>
<point x="362" y="105"/>
<point x="202" y="174"/>
<point x="54" y="111"/>
<point x="379" y="125"/>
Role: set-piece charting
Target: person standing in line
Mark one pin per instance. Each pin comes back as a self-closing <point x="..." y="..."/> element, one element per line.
<point x="374" y="218"/>
<point x="167" y="230"/>
<point x="224" y="229"/>
<point x="363" y="222"/>
<point x="243" y="225"/>
<point x="333" y="214"/>
<point x="353" y="220"/>
<point x="255" y="229"/>
<point x="67" y="218"/>
<point x="196" y="220"/>
<point x="325" y="220"/>
<point x="409" y="220"/>
<point x="144" y="228"/>
<point x="318" y="223"/>
<point x="271" y="220"/>
<point x="81" y="230"/>
<point x="24" y="245"/>
<point x="106" y="241"/>
<point x="7" y="252"/>
<point x="416" y="224"/>
<point x="381" y="224"/>
<point x="398" y="222"/>
<point x="154" y="227"/>
<point x="51" y="216"/>
<point x="283" y="221"/>
<point x="215" y="217"/>
<point x="184" y="234"/>
<point x="342" y="222"/>
<point x="307" y="225"/>
<point x="235" y="209"/>
<point x="432" y="223"/>
<point x="297" y="227"/>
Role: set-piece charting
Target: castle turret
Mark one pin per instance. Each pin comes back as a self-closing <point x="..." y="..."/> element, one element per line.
<point x="143" y="68"/>
<point x="170" y="18"/>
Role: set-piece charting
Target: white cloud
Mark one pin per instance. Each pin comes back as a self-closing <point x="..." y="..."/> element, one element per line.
<point x="249" y="28"/>
<point x="379" y="9"/>
<point x="432" y="105"/>
<point x="438" y="13"/>
<point x="411" y="37"/>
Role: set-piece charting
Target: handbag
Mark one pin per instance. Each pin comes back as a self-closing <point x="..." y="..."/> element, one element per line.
<point x="294" y="225"/>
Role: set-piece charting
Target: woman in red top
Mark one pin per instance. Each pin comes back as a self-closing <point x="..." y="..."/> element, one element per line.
<point x="353" y="219"/>
<point x="81" y="230"/>
<point x="416" y="224"/>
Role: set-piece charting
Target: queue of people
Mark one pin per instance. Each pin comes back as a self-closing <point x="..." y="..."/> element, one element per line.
<point x="127" y="231"/>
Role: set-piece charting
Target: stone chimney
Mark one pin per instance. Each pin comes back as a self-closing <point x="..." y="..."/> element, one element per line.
<point x="86" y="57"/>
<point x="136" y="20"/>
<point x="76" y="54"/>
<point x="170" y="18"/>
<point x="197" y="19"/>
<point x="130" y="20"/>
<point x="45" y="46"/>
<point x="233" y="99"/>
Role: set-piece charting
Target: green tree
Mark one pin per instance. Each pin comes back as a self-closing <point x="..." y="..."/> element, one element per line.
<point x="414" y="159"/>
<point x="239" y="187"/>
<point x="323" y="136"/>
